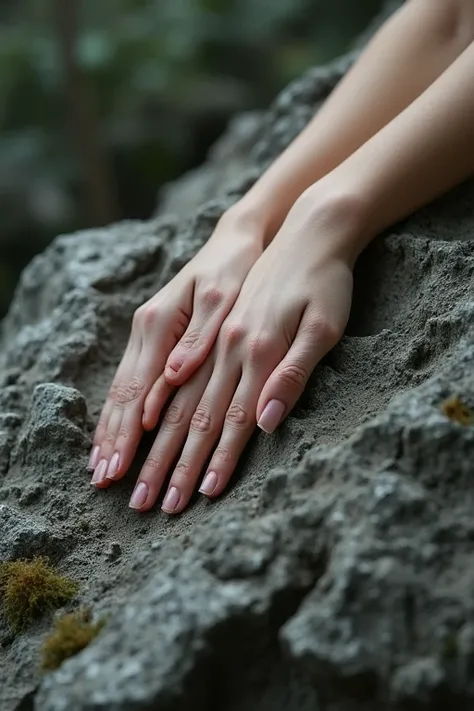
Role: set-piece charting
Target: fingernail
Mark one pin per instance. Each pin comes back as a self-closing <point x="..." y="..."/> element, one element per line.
<point x="139" y="495"/>
<point x="271" y="416"/>
<point x="209" y="483"/>
<point x="171" y="500"/>
<point x="99" y="473"/>
<point x="113" y="466"/>
<point x="171" y="372"/>
<point x="175" y="362"/>
<point x="94" y="458"/>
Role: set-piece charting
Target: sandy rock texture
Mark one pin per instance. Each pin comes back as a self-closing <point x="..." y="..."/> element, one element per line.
<point x="337" y="574"/>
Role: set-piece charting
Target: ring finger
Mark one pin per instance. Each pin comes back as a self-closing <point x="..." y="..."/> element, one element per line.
<point x="170" y="439"/>
<point x="204" y="431"/>
<point x="240" y="421"/>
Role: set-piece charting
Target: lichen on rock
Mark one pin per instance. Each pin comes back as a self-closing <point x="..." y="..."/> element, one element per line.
<point x="457" y="410"/>
<point x="72" y="633"/>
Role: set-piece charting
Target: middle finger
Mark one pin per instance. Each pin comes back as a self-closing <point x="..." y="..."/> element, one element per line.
<point x="170" y="439"/>
<point x="204" y="431"/>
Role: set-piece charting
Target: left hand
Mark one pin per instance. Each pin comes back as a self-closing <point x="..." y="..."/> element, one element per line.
<point x="292" y="309"/>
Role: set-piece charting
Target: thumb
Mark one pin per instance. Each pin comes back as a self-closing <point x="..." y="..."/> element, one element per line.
<point x="315" y="337"/>
<point x="209" y="311"/>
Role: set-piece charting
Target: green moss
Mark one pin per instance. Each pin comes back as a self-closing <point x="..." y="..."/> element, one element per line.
<point x="72" y="634"/>
<point x="457" y="411"/>
<point x="31" y="587"/>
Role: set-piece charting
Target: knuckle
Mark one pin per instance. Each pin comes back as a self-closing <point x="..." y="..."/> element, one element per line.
<point x="127" y="393"/>
<point x="293" y="374"/>
<point x="237" y="415"/>
<point x="152" y="464"/>
<point x="325" y="330"/>
<point x="138" y="317"/>
<point x="147" y="315"/>
<point x="201" y="421"/>
<point x="212" y="297"/>
<point x="124" y="432"/>
<point x="120" y="395"/>
<point x="109" y="438"/>
<point x="222" y="454"/>
<point x="183" y="469"/>
<point x="189" y="340"/>
<point x="135" y="388"/>
<point x="259" y="348"/>
<point x="151" y="315"/>
<point x="174" y="415"/>
<point x="232" y="334"/>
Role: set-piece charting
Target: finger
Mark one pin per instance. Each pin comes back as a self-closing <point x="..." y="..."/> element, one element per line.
<point x="315" y="337"/>
<point x="169" y="440"/>
<point x="125" y="424"/>
<point x="131" y="353"/>
<point x="160" y="331"/>
<point x="209" y="311"/>
<point x="204" y="431"/>
<point x="240" y="422"/>
<point x="155" y="402"/>
<point x="122" y="375"/>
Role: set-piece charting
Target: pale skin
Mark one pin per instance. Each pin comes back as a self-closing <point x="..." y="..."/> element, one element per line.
<point x="238" y="332"/>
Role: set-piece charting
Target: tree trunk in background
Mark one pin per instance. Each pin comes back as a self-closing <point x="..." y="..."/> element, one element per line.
<point x="85" y="128"/>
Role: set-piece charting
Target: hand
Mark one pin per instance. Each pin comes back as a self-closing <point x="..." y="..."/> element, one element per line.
<point x="292" y="309"/>
<point x="179" y="325"/>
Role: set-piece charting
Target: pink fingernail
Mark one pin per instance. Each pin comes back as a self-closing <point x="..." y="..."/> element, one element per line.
<point x="171" y="372"/>
<point x="113" y="466"/>
<point x="139" y="495"/>
<point x="171" y="500"/>
<point x="94" y="458"/>
<point x="209" y="483"/>
<point x="271" y="416"/>
<point x="99" y="473"/>
<point x="175" y="362"/>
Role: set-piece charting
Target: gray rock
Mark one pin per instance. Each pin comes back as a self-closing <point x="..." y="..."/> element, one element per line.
<point x="22" y="537"/>
<point x="114" y="551"/>
<point x="9" y="424"/>
<point x="338" y="573"/>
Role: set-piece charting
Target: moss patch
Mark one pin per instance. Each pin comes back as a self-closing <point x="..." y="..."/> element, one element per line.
<point x="457" y="411"/>
<point x="31" y="587"/>
<point x="72" y="634"/>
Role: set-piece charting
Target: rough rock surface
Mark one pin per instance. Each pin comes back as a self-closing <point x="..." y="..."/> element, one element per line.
<point x="337" y="574"/>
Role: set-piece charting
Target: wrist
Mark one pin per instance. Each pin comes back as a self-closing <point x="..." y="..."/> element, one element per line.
<point x="258" y="216"/>
<point x="331" y="219"/>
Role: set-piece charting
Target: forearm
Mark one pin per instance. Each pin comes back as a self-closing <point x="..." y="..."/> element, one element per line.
<point x="410" y="51"/>
<point x="422" y="153"/>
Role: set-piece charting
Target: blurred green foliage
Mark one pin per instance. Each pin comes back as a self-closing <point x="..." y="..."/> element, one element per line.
<point x="162" y="76"/>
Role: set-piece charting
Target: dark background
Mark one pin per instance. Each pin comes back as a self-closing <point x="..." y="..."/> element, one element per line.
<point x="102" y="101"/>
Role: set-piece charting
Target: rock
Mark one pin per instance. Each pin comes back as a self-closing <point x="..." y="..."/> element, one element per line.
<point x="422" y="679"/>
<point x="31" y="494"/>
<point x="196" y="611"/>
<point x="338" y="573"/>
<point x="9" y="424"/>
<point x="22" y="537"/>
<point x="54" y="429"/>
<point x="114" y="551"/>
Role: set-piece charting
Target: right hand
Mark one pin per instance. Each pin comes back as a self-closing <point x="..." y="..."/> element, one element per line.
<point x="175" y="330"/>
